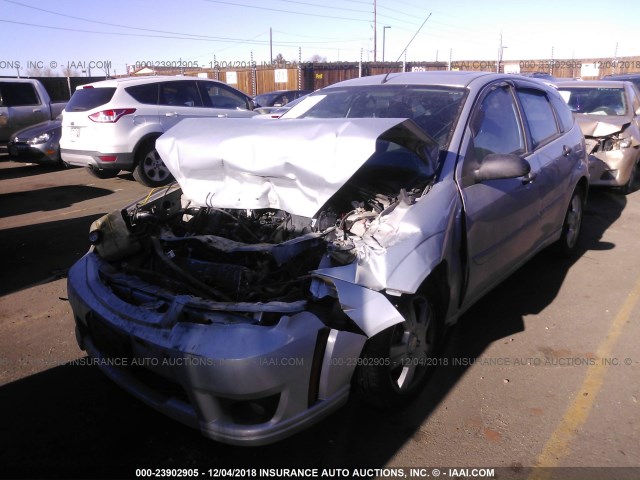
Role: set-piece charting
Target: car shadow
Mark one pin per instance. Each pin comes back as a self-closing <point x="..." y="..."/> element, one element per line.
<point x="84" y="423"/>
<point x="47" y="199"/>
<point x="26" y="170"/>
<point x="43" y="252"/>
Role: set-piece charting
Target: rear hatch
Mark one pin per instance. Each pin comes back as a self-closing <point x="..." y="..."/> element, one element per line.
<point x="78" y="132"/>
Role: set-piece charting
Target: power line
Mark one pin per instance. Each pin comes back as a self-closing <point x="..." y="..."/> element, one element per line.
<point x="286" y="11"/>
<point x="174" y="37"/>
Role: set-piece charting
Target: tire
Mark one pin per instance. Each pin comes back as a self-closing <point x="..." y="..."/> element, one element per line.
<point x="396" y="363"/>
<point x="102" y="174"/>
<point x="150" y="170"/>
<point x="567" y="244"/>
<point x="629" y="187"/>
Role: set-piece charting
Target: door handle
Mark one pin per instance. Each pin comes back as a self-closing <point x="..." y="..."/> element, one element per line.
<point x="171" y="114"/>
<point x="37" y="110"/>
<point x="223" y="115"/>
<point x="566" y="151"/>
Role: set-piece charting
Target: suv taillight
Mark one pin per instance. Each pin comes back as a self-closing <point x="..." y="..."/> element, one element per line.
<point x="111" y="116"/>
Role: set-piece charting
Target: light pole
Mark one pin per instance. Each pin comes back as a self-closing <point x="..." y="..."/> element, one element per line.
<point x="384" y="31"/>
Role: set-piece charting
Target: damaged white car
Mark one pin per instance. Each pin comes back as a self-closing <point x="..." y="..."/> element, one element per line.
<point x="300" y="260"/>
<point x="608" y="113"/>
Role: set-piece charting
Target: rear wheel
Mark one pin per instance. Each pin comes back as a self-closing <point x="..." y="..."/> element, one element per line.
<point x="396" y="362"/>
<point x="150" y="169"/>
<point x="102" y="173"/>
<point x="568" y="242"/>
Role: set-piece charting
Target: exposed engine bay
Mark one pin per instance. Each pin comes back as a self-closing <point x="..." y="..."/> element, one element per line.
<point x="253" y="255"/>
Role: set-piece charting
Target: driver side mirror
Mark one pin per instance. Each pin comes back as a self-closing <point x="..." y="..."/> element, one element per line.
<point x="501" y="166"/>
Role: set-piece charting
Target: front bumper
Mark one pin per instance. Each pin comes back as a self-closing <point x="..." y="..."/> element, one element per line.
<point x="44" y="154"/>
<point x="239" y="383"/>
<point x="85" y="158"/>
<point x="612" y="168"/>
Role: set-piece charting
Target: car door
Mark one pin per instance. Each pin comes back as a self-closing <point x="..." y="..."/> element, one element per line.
<point x="20" y="106"/>
<point x="501" y="217"/>
<point x="179" y="100"/>
<point x="553" y="155"/>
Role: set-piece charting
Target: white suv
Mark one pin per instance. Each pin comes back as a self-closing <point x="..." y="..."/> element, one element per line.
<point x="113" y="125"/>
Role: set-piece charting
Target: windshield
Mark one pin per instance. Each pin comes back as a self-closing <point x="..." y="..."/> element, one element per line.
<point x="595" y="100"/>
<point x="434" y="109"/>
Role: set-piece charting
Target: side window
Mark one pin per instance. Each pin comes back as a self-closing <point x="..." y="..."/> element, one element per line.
<point x="222" y="97"/>
<point x="495" y="125"/>
<point x="147" y="93"/>
<point x="19" y="95"/>
<point x="564" y="114"/>
<point x="537" y="110"/>
<point x="180" y="94"/>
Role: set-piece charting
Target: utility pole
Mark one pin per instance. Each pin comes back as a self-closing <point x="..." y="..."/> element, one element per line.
<point x="270" y="45"/>
<point x="375" y="31"/>
<point x="384" y="31"/>
<point x="614" y="64"/>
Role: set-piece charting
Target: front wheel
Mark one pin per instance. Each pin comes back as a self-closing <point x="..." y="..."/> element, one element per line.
<point x="150" y="170"/>
<point x="568" y="242"/>
<point x="396" y="363"/>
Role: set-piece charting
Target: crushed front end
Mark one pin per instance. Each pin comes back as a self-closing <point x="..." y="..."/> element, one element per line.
<point x="613" y="145"/>
<point x="227" y="319"/>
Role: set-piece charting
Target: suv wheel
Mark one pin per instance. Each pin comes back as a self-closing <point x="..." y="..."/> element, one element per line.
<point x="150" y="169"/>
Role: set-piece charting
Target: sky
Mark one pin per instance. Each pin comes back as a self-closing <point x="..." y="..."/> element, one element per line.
<point x="96" y="35"/>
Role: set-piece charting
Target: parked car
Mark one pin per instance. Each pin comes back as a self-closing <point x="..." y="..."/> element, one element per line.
<point x="625" y="77"/>
<point x="24" y="102"/>
<point x="608" y="113"/>
<point x="279" y="98"/>
<point x="112" y="125"/>
<point x="37" y="144"/>
<point x="300" y="260"/>
<point x="277" y="112"/>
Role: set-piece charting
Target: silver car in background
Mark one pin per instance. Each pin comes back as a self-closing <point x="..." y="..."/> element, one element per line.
<point x="301" y="260"/>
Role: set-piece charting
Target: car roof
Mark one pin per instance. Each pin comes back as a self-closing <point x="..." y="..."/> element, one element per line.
<point x="440" y="78"/>
<point x="621" y="76"/>
<point x="17" y="80"/>
<point x="126" y="81"/>
<point x="592" y="83"/>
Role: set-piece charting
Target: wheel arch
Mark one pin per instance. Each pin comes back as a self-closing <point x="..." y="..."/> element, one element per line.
<point x="145" y="141"/>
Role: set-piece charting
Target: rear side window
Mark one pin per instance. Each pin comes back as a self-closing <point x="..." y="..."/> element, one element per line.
<point x="180" y="94"/>
<point x="537" y="110"/>
<point x="18" y="94"/>
<point x="147" y="94"/>
<point x="89" y="98"/>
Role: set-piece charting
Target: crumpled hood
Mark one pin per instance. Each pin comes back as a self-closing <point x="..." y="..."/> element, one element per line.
<point x="601" y="125"/>
<point x="294" y="165"/>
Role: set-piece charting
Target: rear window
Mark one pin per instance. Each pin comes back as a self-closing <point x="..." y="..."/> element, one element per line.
<point x="89" y="98"/>
<point x="18" y="94"/>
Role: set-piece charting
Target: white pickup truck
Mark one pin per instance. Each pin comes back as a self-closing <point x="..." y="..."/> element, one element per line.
<point x="24" y="102"/>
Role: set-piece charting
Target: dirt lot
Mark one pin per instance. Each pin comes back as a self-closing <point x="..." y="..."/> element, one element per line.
<point x="543" y="372"/>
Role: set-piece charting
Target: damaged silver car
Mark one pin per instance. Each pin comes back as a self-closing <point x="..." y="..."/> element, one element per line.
<point x="302" y="260"/>
<point x="608" y="113"/>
